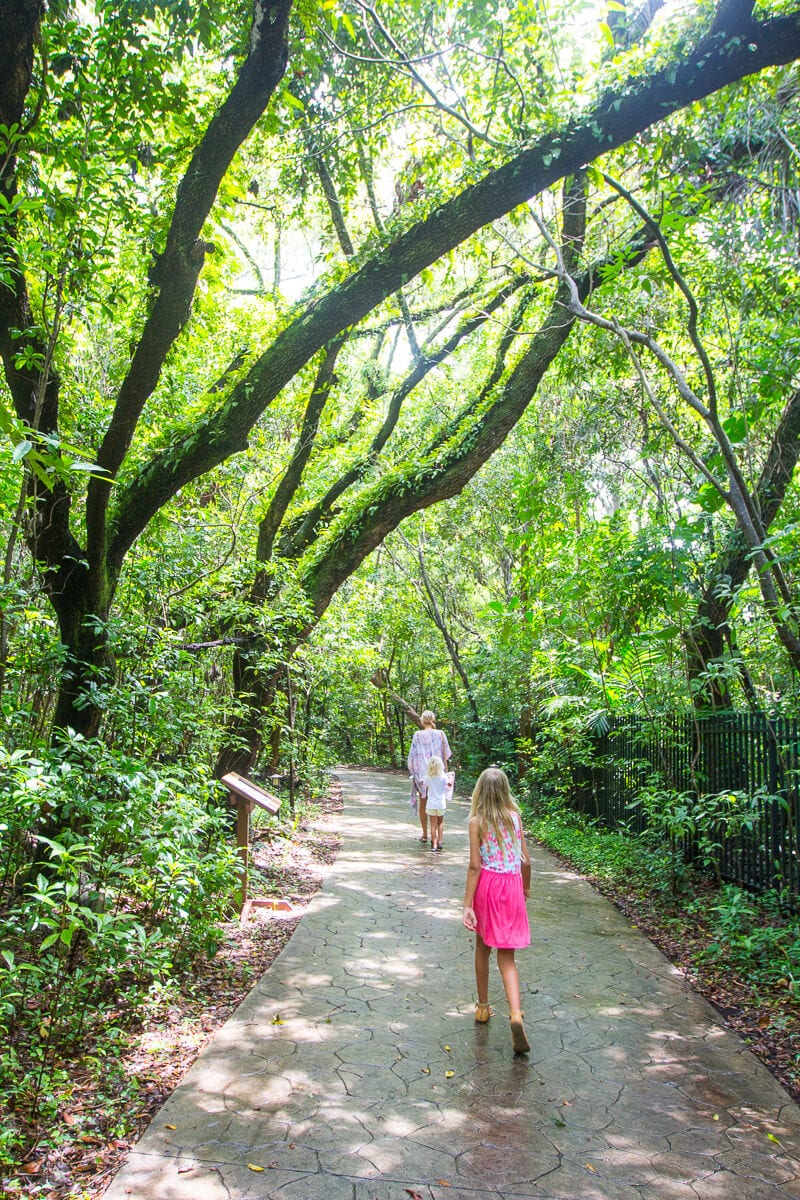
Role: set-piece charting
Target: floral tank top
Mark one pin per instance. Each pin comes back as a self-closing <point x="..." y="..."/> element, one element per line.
<point x="504" y="856"/>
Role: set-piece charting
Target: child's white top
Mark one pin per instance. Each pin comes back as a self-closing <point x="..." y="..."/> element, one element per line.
<point x="437" y="792"/>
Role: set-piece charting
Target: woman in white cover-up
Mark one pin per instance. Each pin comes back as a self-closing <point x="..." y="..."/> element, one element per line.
<point x="425" y="743"/>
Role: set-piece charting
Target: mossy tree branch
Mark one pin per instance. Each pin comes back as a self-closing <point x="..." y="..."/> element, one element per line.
<point x="723" y="56"/>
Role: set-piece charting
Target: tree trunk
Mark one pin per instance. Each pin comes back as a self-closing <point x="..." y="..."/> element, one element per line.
<point x="387" y="721"/>
<point x="381" y="682"/>
<point x="82" y="595"/>
<point x="525" y="730"/>
<point x="256" y="694"/>
<point x="706" y="639"/>
<point x="82" y="601"/>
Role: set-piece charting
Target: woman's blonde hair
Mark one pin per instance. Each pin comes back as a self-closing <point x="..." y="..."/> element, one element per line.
<point x="493" y="804"/>
<point x="435" y="767"/>
<point x="427" y="717"/>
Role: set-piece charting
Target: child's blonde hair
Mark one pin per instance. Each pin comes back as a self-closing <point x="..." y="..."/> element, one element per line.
<point x="435" y="767"/>
<point x="493" y="804"/>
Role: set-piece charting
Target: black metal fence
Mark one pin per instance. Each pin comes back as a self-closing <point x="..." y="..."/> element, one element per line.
<point x="707" y="756"/>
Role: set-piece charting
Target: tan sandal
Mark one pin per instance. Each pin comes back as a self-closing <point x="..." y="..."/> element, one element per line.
<point x="519" y="1039"/>
<point x="483" y="1012"/>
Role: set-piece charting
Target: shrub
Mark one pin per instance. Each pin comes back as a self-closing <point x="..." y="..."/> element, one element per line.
<point x="115" y="874"/>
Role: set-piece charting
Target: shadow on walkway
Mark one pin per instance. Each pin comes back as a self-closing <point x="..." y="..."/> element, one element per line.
<point x="354" y="1069"/>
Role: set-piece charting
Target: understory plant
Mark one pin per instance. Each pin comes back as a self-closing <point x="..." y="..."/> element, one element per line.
<point x="114" y="876"/>
<point x="697" y="826"/>
<point x="612" y="855"/>
<point x="755" y="936"/>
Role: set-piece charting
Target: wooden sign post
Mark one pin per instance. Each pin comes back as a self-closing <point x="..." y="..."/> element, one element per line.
<point x="247" y="796"/>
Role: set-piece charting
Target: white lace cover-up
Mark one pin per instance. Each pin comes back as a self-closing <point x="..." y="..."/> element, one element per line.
<point x="424" y="744"/>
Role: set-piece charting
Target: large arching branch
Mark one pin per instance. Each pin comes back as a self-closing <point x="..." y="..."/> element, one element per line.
<point x="441" y="471"/>
<point x="449" y="464"/>
<point x="619" y="114"/>
<point x="299" y="536"/>
<point x="175" y="272"/>
<point x="290" y="480"/>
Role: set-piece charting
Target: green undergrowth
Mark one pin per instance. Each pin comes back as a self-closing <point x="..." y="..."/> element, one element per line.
<point x="721" y="927"/>
<point x="602" y="853"/>
<point x="117" y="876"/>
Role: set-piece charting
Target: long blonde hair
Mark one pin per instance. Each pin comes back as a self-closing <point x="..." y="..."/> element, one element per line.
<point x="435" y="767"/>
<point x="493" y="805"/>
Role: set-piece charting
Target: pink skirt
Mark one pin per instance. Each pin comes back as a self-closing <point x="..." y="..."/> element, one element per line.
<point x="500" y="910"/>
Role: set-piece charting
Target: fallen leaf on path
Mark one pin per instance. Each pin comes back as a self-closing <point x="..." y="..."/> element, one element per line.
<point x="449" y="1074"/>
<point x="415" y="1195"/>
<point x="170" y="1126"/>
<point x="253" y="1167"/>
<point x="589" y="1167"/>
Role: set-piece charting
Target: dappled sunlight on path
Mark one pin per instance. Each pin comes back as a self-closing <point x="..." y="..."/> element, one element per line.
<point x="354" y="1068"/>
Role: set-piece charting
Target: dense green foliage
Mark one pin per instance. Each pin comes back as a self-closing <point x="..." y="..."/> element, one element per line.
<point x="335" y="386"/>
<point x="116" y="904"/>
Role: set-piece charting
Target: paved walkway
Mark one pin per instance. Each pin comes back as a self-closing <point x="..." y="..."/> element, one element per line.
<point x="354" y="1069"/>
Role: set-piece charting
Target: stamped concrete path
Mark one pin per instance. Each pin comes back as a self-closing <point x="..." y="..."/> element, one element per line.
<point x="354" y="1069"/>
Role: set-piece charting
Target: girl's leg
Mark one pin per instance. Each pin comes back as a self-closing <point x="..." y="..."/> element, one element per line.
<point x="423" y="816"/>
<point x="508" y="970"/>
<point x="436" y="829"/>
<point x="482" y="953"/>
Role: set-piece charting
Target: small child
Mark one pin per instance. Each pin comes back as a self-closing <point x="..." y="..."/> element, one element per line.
<point x="437" y="800"/>
<point x="494" y="900"/>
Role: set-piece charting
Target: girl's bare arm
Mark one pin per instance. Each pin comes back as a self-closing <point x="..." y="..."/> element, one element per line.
<point x="473" y="873"/>
<point x="526" y="858"/>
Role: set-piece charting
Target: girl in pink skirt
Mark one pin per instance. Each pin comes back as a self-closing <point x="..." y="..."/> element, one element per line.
<point x="494" y="900"/>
